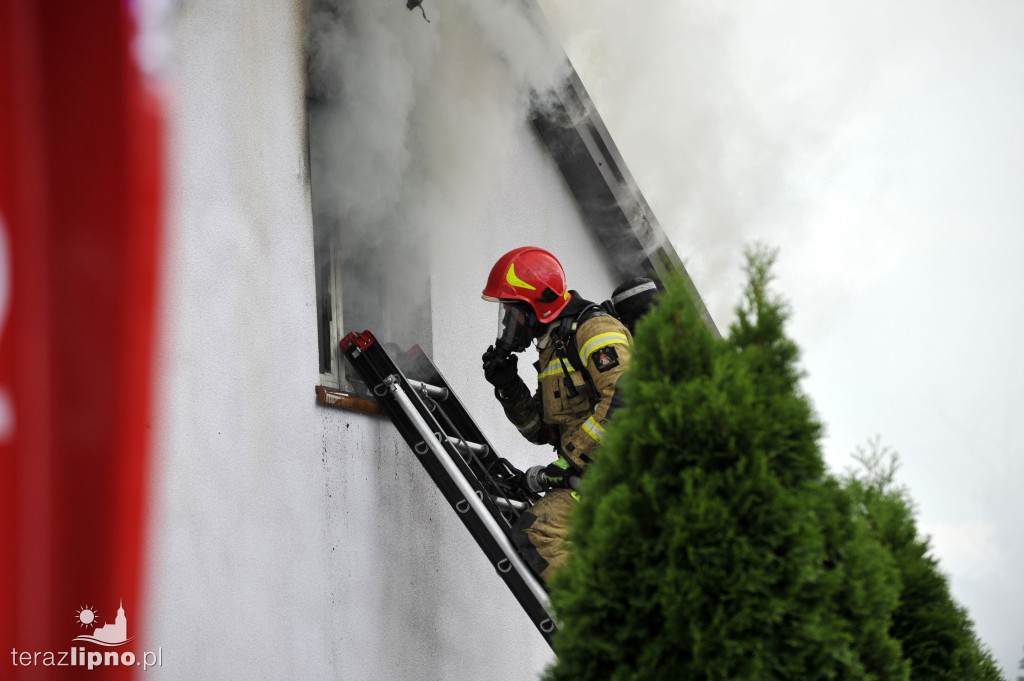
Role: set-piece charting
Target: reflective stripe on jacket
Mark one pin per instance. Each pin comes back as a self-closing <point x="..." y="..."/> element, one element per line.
<point x="575" y="422"/>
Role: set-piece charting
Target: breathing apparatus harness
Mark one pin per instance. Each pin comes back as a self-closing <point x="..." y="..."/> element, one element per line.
<point x="567" y="349"/>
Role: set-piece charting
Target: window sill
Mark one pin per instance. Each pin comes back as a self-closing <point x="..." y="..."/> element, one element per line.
<point x="330" y="398"/>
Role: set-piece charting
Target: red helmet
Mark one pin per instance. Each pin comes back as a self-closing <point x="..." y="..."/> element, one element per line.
<point x="532" y="275"/>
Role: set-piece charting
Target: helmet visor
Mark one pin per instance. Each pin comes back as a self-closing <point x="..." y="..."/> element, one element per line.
<point x="515" y="327"/>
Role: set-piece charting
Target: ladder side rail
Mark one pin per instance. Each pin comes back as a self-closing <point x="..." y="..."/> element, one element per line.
<point x="372" y="362"/>
<point x="469" y="493"/>
<point x="375" y="365"/>
<point x="421" y="366"/>
<point x="491" y="474"/>
<point x="457" y="458"/>
<point x="485" y="468"/>
<point x="471" y="507"/>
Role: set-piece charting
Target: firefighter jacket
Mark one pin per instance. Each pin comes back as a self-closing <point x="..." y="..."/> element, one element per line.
<point x="574" y="418"/>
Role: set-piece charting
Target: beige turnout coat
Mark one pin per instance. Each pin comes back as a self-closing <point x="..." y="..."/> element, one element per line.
<point x="575" y="422"/>
<point x="574" y="419"/>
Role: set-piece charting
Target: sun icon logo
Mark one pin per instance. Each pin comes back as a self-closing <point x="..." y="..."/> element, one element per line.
<point x="86" y="617"/>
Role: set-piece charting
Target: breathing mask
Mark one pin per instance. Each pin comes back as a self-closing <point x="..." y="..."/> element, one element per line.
<point x="517" y="326"/>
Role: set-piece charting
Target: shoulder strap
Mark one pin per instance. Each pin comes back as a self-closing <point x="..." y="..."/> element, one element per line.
<point x="568" y="349"/>
<point x="567" y="334"/>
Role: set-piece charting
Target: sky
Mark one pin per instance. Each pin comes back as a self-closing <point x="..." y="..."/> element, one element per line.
<point x="879" y="146"/>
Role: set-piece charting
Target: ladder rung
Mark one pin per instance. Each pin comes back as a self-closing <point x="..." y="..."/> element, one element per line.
<point x="468" y="447"/>
<point x="502" y="502"/>
<point x="431" y="391"/>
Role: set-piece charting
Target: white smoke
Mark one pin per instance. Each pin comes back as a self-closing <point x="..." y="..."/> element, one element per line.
<point x="367" y="72"/>
<point x="718" y="117"/>
<point x="408" y="122"/>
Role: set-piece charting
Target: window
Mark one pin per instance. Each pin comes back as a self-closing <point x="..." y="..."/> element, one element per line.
<point x="329" y="320"/>
<point x="382" y="286"/>
<point x="371" y="268"/>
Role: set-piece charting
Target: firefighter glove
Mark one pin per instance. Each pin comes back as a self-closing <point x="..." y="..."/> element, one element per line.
<point x="502" y="372"/>
<point x="557" y="475"/>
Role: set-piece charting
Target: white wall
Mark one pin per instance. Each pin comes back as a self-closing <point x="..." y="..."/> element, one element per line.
<point x="238" y="568"/>
<point x="291" y="540"/>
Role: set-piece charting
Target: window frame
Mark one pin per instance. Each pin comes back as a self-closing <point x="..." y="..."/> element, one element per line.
<point x="329" y="304"/>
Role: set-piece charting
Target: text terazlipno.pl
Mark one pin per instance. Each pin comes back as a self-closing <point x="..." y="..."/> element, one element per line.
<point x="90" y="660"/>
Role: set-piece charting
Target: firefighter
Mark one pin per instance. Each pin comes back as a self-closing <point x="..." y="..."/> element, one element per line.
<point x="583" y="353"/>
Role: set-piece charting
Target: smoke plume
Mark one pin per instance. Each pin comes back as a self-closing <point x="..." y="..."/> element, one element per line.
<point x="407" y="120"/>
<point x="718" y="117"/>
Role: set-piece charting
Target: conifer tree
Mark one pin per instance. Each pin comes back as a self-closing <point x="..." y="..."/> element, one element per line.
<point x="936" y="634"/>
<point x="709" y="543"/>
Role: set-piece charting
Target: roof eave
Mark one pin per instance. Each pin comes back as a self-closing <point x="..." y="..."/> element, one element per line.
<point x="608" y="197"/>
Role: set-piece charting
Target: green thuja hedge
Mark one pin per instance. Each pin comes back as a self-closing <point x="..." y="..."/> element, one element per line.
<point x="710" y="543"/>
<point x="936" y="634"/>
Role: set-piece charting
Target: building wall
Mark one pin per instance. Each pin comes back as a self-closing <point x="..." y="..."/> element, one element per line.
<point x="291" y="540"/>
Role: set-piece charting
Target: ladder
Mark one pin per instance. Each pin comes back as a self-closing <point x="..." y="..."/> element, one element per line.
<point x="476" y="482"/>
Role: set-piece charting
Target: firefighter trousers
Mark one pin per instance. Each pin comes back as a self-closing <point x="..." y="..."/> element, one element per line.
<point x="540" y="533"/>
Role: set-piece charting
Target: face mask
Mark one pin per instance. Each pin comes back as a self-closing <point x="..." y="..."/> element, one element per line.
<point x="516" y="326"/>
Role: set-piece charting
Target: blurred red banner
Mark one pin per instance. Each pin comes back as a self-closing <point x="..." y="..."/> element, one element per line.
<point x="80" y="226"/>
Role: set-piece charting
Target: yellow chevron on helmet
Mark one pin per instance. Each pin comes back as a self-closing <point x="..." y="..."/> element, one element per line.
<point x="512" y="279"/>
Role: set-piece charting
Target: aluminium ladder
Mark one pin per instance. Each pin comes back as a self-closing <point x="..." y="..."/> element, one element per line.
<point x="477" y="483"/>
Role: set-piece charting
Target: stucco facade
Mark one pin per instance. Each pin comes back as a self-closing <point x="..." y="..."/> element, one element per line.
<point x="289" y="539"/>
